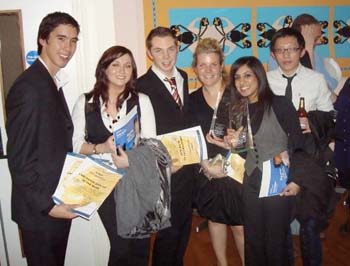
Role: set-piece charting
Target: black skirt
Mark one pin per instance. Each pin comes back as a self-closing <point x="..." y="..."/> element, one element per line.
<point x="219" y="200"/>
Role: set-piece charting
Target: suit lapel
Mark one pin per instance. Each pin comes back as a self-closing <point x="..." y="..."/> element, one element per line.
<point x="185" y="89"/>
<point x="59" y="96"/>
<point x="64" y="103"/>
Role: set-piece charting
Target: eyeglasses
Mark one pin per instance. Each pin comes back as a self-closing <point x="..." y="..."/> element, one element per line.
<point x="289" y="50"/>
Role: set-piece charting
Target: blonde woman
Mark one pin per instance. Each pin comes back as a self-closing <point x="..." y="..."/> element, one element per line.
<point x="219" y="200"/>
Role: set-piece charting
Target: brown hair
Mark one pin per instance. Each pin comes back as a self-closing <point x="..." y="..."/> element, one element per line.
<point x="101" y="86"/>
<point x="304" y="19"/>
<point x="50" y="22"/>
<point x="159" y="32"/>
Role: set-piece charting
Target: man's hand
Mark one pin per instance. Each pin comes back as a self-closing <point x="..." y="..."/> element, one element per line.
<point x="63" y="211"/>
<point x="304" y="123"/>
<point x="175" y="168"/>
<point x="311" y="35"/>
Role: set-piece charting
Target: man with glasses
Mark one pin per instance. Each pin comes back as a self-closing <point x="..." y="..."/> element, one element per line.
<point x="287" y="47"/>
<point x="294" y="80"/>
<point x="311" y="30"/>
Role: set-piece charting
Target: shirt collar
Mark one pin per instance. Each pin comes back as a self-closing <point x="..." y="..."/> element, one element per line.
<point x="104" y="108"/>
<point x="296" y="72"/>
<point x="61" y="78"/>
<point x="161" y="75"/>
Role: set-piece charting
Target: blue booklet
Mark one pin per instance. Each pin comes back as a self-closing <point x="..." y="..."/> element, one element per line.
<point x="274" y="179"/>
<point x="126" y="130"/>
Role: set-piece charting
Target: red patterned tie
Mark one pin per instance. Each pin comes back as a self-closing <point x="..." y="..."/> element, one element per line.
<point x="174" y="91"/>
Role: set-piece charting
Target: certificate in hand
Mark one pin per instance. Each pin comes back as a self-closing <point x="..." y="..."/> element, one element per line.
<point x="274" y="179"/>
<point x="185" y="146"/>
<point x="85" y="181"/>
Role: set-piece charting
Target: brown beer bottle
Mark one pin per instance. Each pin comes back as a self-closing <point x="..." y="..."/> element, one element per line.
<point x="302" y="114"/>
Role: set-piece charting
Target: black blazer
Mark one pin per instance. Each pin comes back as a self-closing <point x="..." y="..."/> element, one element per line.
<point x="169" y="117"/>
<point x="39" y="129"/>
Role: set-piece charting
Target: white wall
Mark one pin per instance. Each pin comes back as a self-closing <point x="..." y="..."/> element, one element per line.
<point x="130" y="30"/>
<point x="103" y="23"/>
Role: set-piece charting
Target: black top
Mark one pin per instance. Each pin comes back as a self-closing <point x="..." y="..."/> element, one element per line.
<point x="201" y="113"/>
<point x="219" y="199"/>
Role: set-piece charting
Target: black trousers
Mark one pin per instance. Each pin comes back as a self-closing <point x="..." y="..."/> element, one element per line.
<point x="266" y="225"/>
<point x="171" y="243"/>
<point x="124" y="251"/>
<point x="310" y="243"/>
<point x="45" y="248"/>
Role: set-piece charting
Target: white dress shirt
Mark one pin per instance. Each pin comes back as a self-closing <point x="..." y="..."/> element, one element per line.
<point x="61" y="78"/>
<point x="178" y="78"/>
<point x="308" y="84"/>
<point x="148" y="123"/>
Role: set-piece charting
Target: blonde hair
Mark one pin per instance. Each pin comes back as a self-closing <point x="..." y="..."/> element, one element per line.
<point x="206" y="46"/>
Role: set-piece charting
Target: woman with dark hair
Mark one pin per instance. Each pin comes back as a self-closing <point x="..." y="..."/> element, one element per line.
<point x="275" y="128"/>
<point x="94" y="116"/>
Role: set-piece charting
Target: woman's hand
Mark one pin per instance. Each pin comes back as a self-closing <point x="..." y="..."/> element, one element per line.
<point x="106" y="147"/>
<point x="232" y="137"/>
<point x="121" y="160"/>
<point x="229" y="141"/>
<point x="216" y="141"/>
<point x="292" y="189"/>
<point x="212" y="171"/>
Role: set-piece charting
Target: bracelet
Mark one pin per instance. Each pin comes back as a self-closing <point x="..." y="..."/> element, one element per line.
<point x="94" y="150"/>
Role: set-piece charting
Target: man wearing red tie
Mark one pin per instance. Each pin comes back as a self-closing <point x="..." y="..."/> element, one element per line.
<point x="167" y="87"/>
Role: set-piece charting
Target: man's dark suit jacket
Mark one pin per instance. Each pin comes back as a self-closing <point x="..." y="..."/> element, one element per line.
<point x="39" y="131"/>
<point x="169" y="117"/>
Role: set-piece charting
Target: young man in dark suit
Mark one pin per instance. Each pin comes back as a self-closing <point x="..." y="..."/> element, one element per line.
<point x="40" y="131"/>
<point x="170" y="103"/>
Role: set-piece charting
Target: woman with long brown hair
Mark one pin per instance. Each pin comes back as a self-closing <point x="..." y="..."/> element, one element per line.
<point x="95" y="115"/>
